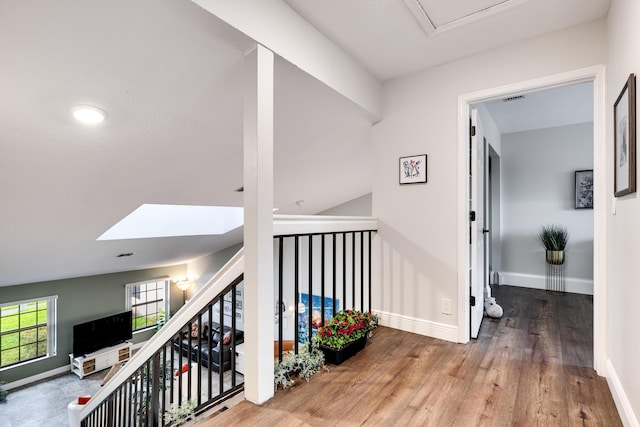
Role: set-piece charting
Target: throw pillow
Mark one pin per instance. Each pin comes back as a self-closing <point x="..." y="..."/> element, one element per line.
<point x="194" y="330"/>
<point x="184" y="369"/>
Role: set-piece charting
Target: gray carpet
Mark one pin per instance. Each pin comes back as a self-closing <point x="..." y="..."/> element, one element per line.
<point x="45" y="403"/>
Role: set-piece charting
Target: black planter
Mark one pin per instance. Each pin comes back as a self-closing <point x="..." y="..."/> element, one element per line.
<point x="336" y="357"/>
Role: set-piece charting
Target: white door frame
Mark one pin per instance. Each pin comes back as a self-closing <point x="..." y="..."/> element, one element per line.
<point x="596" y="74"/>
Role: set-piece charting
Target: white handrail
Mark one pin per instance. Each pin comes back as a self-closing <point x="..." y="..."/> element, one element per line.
<point x="308" y="224"/>
<point x="227" y="274"/>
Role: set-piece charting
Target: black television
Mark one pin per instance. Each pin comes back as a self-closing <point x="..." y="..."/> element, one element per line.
<point x="101" y="333"/>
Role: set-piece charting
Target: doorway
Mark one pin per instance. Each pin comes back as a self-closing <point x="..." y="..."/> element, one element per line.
<point x="595" y="75"/>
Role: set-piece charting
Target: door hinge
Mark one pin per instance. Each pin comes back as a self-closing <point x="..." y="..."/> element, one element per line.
<point x="472" y="216"/>
<point x="473" y="301"/>
<point x="472" y="131"/>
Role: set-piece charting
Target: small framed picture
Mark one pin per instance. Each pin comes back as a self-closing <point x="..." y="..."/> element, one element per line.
<point x="584" y="189"/>
<point x="624" y="137"/>
<point x="413" y="169"/>
<point x="227" y="308"/>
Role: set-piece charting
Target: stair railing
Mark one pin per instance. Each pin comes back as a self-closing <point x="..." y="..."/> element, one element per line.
<point x="171" y="368"/>
<point x="331" y="258"/>
<point x="322" y="265"/>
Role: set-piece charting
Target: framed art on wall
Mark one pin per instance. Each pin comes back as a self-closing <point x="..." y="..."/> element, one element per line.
<point x="624" y="157"/>
<point x="584" y="189"/>
<point x="413" y="169"/>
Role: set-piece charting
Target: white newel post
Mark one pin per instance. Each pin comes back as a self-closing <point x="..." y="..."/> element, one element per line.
<point x="258" y="224"/>
<point x="73" y="410"/>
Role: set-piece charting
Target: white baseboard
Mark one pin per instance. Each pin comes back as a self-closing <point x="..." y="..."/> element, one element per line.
<point x="625" y="410"/>
<point x="34" y="378"/>
<point x="418" y="326"/>
<point x="572" y="284"/>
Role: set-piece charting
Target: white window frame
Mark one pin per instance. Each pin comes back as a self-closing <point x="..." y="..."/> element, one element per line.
<point x="129" y="295"/>
<point x="52" y="316"/>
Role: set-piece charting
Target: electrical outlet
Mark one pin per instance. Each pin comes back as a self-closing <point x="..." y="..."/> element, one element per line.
<point x="446" y="306"/>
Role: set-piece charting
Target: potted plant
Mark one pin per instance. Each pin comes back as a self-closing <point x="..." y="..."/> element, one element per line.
<point x="3" y="393"/>
<point x="177" y="415"/>
<point x="554" y="238"/>
<point x="302" y="365"/>
<point x="345" y="334"/>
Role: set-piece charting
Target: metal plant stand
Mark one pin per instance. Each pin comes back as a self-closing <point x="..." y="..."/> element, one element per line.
<point x="555" y="271"/>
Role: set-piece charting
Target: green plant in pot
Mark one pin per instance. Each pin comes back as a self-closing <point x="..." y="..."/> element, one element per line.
<point x="307" y="362"/>
<point x="3" y="393"/>
<point x="554" y="238"/>
<point x="345" y="334"/>
<point x="177" y="415"/>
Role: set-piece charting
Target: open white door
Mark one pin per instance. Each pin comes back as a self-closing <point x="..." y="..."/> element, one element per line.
<point x="478" y="274"/>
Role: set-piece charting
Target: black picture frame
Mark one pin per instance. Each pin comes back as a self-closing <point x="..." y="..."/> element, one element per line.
<point x="624" y="137"/>
<point x="413" y="169"/>
<point x="583" y="185"/>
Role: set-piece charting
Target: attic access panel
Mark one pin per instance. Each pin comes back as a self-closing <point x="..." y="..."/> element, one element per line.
<point x="437" y="15"/>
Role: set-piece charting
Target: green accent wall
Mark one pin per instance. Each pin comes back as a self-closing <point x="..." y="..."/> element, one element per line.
<point x="80" y="300"/>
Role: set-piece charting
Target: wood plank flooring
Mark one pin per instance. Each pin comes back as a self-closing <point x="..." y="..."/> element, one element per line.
<point x="533" y="367"/>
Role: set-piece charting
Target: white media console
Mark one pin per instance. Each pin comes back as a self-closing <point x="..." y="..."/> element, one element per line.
<point x="99" y="360"/>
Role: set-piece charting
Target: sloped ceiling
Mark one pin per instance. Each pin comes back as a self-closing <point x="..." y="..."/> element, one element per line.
<point x="169" y="76"/>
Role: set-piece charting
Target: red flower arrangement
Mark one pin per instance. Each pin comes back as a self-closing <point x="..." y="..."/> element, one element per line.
<point x="345" y="327"/>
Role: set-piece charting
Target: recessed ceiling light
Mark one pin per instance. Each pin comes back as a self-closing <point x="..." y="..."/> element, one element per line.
<point x="88" y="114"/>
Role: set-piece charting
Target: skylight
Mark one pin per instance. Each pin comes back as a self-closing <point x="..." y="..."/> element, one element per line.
<point x="151" y="220"/>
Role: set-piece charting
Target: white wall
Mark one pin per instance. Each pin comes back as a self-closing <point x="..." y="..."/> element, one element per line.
<point x="360" y="206"/>
<point x="203" y="269"/>
<point x="538" y="189"/>
<point x="623" y="295"/>
<point x="418" y="232"/>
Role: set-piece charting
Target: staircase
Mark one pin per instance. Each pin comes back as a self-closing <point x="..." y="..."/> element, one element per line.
<point x="323" y="265"/>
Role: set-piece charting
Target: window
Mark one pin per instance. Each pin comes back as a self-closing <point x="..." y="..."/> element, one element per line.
<point x="27" y="330"/>
<point x="149" y="302"/>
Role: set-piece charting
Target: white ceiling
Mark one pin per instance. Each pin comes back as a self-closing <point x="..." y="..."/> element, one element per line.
<point x="561" y="106"/>
<point x="169" y="76"/>
<point x="386" y="37"/>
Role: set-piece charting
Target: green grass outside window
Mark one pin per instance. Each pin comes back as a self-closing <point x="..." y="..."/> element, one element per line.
<point x="23" y="332"/>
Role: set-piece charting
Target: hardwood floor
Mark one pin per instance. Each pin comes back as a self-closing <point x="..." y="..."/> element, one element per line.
<point x="533" y="367"/>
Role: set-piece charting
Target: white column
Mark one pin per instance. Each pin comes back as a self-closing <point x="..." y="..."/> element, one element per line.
<point x="258" y="225"/>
